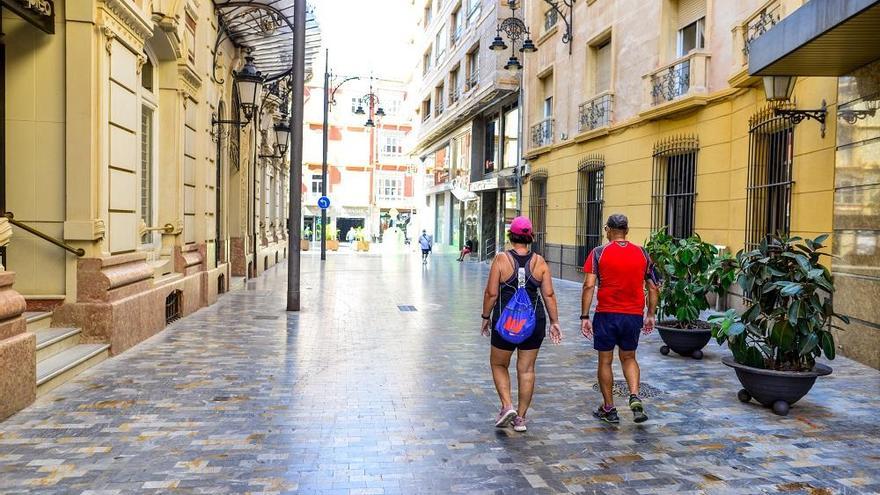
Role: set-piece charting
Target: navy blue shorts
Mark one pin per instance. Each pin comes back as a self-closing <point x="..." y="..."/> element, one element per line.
<point x="616" y="329"/>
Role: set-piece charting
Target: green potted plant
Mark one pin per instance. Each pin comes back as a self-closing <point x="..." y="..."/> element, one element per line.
<point x="787" y="322"/>
<point x="332" y="237"/>
<point x="691" y="270"/>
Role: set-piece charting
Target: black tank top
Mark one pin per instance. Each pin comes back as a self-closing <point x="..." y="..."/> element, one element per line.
<point x="508" y="287"/>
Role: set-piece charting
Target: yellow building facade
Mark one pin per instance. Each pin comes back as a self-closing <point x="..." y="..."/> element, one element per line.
<point x="112" y="148"/>
<point x="649" y="110"/>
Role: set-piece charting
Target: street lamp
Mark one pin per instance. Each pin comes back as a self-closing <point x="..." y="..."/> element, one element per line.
<point x="780" y="88"/>
<point x="282" y="136"/>
<point x="515" y="29"/>
<point x="249" y="85"/>
<point x="329" y="98"/>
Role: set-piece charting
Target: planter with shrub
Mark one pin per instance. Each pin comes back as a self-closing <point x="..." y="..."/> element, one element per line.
<point x="691" y="269"/>
<point x="787" y="322"/>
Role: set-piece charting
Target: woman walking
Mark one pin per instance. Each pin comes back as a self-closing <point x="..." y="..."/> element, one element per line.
<point x="502" y="285"/>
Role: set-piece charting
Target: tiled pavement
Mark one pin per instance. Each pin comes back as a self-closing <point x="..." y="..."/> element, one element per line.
<point x="355" y="396"/>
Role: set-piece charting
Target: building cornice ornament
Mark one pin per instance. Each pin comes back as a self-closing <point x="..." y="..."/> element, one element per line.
<point x="98" y="228"/>
<point x="122" y="11"/>
<point x="5" y="231"/>
<point x="109" y="36"/>
<point x="190" y="78"/>
<point x="141" y="60"/>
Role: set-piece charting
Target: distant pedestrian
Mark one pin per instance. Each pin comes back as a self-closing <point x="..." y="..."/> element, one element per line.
<point x="466" y="250"/>
<point x="350" y="235"/>
<point x="426" y="243"/>
<point x="514" y="269"/>
<point x="624" y="271"/>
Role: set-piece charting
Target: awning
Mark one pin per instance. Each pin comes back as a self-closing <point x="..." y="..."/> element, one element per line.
<point x="494" y="183"/>
<point x="463" y="195"/>
<point x="40" y="13"/>
<point x="261" y="26"/>
<point x="821" y="38"/>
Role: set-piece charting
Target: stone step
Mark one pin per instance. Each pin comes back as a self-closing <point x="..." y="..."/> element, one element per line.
<point x="65" y="365"/>
<point x="51" y="341"/>
<point x="37" y="320"/>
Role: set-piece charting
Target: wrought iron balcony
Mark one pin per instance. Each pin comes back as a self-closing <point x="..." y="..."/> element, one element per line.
<point x="683" y="77"/>
<point x="542" y="133"/>
<point x="595" y="113"/>
<point x="753" y="28"/>
<point x="454" y="94"/>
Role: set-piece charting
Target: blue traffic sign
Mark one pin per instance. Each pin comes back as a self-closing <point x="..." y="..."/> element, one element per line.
<point x="323" y="202"/>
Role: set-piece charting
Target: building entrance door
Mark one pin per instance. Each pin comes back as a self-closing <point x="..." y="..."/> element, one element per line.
<point x="489" y="224"/>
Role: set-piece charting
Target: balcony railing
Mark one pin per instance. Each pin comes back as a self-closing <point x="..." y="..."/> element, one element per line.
<point x="472" y="81"/>
<point x="595" y="113"/>
<point x="542" y="133"/>
<point x="426" y="116"/>
<point x="753" y="28"/>
<point x="438" y="109"/>
<point x="454" y="94"/>
<point x="456" y="34"/>
<point x="685" y="76"/>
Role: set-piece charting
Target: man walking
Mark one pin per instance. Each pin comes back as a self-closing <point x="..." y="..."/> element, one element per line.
<point x="623" y="271"/>
<point x="425" y="242"/>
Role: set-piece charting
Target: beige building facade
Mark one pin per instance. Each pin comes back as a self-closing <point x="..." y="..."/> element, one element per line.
<point x="112" y="149"/>
<point x="650" y="109"/>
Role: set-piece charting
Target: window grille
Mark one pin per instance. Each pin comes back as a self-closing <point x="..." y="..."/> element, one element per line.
<point x="674" y="185"/>
<point x="538" y="210"/>
<point x="590" y="200"/>
<point x="768" y="199"/>
<point x="147" y="171"/>
<point x="173" y="306"/>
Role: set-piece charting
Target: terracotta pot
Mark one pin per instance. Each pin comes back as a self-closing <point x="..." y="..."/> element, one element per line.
<point x="363" y="245"/>
<point x="684" y="341"/>
<point x="304" y="245"/>
<point x="775" y="389"/>
<point x="333" y="245"/>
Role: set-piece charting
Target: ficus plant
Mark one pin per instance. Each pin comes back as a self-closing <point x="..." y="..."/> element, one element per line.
<point x="789" y="315"/>
<point x="690" y="269"/>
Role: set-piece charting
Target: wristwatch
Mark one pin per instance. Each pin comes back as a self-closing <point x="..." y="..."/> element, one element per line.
<point x="585" y="317"/>
<point x="485" y="317"/>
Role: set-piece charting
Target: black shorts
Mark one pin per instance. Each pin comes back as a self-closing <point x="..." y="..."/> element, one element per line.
<point x="616" y="329"/>
<point x="426" y="251"/>
<point x="533" y="342"/>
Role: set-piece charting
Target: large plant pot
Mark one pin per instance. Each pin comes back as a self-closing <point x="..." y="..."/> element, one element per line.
<point x="684" y="341"/>
<point x="304" y="245"/>
<point x="775" y="389"/>
<point x="333" y="245"/>
<point x="363" y="245"/>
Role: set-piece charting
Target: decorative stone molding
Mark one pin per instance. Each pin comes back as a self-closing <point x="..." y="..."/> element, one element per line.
<point x="109" y="36"/>
<point x="141" y="60"/>
<point x="190" y="79"/>
<point x="98" y="228"/>
<point x="134" y="21"/>
<point x="5" y="231"/>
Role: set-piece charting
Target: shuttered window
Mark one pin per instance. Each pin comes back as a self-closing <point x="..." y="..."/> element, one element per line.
<point x="603" y="67"/>
<point x="689" y="11"/>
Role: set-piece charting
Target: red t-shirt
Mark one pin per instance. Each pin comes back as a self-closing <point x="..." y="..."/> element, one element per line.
<point x="623" y="268"/>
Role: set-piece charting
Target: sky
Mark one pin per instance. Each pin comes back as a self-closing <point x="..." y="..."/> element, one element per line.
<point x="366" y="36"/>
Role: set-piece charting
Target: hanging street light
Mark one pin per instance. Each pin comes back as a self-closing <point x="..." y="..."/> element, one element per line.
<point x="249" y="83"/>
<point x="282" y="136"/>
<point x="515" y="29"/>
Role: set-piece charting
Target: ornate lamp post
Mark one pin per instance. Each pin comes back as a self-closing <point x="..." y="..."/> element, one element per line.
<point x="249" y="85"/>
<point x="329" y="99"/>
<point x="375" y="110"/>
<point x="515" y="29"/>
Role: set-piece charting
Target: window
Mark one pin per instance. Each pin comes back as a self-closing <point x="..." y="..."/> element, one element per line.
<point x="490" y="156"/>
<point x="473" y="10"/>
<point x="429" y="13"/>
<point x="590" y="200"/>
<point x="602" y="74"/>
<point x="690" y="21"/>
<point x="511" y="136"/>
<point x="392" y="105"/>
<point x="547" y="91"/>
<point x="768" y="202"/>
<point x="355" y="103"/>
<point x="548" y="107"/>
<point x="674" y="186"/>
<point x="426" y="61"/>
<point x="538" y="211"/>
<point x="147" y="160"/>
<point x="440" y="41"/>
<point x="454" y="85"/>
<point x="426" y="109"/>
<point x="457" y="25"/>
<point x="390" y="187"/>
<point x="439" y="95"/>
<point x="316" y="183"/>
<point x="147" y="81"/>
<point x="691" y="37"/>
<point x="473" y="68"/>
<point x="550" y="19"/>
<point x="190" y="34"/>
<point x="392" y="145"/>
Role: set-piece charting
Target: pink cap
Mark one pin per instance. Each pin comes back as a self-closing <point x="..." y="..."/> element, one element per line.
<point x="521" y="226"/>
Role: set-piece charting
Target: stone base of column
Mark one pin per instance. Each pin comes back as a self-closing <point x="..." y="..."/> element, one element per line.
<point x="18" y="351"/>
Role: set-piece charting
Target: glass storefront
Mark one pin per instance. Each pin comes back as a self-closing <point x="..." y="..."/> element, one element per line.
<point x="511" y="135"/>
<point x="440" y="218"/>
<point x="455" y="224"/>
<point x="508" y="212"/>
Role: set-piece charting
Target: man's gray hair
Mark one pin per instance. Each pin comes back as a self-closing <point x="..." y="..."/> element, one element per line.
<point x="618" y="221"/>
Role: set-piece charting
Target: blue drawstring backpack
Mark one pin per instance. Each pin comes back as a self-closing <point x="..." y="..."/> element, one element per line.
<point x="517" y="320"/>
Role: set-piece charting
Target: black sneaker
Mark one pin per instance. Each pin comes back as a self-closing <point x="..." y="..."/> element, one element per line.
<point x="638" y="409"/>
<point x="609" y="416"/>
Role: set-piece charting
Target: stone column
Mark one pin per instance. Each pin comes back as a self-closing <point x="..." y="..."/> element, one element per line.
<point x="18" y="347"/>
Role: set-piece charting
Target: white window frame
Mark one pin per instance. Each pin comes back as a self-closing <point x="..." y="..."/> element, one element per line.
<point x="700" y="33"/>
<point x="151" y="241"/>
